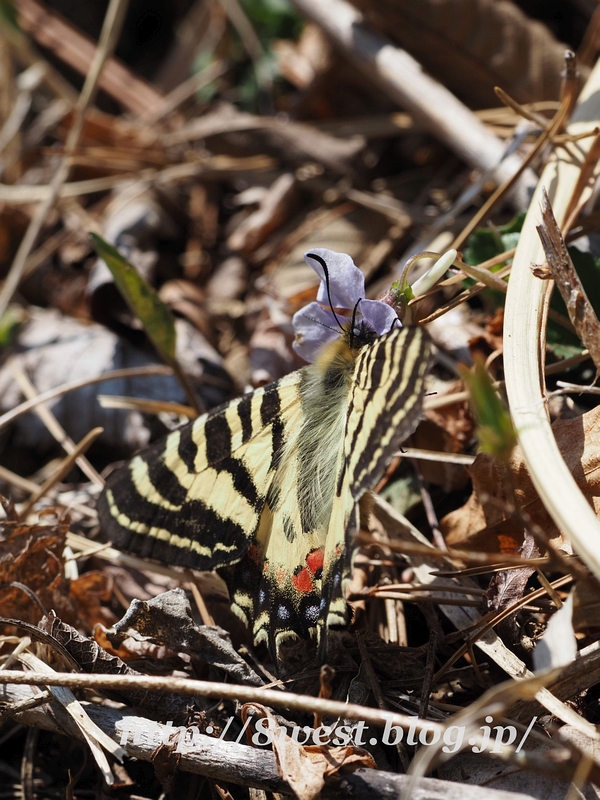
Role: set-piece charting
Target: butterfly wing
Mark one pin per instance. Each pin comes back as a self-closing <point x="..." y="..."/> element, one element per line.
<point x="384" y="407"/>
<point x="196" y="497"/>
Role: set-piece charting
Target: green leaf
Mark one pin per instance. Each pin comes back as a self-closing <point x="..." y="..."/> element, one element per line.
<point x="485" y="243"/>
<point x="273" y="19"/>
<point x="9" y="323"/>
<point x="141" y="298"/>
<point x="8" y="15"/>
<point x="495" y="430"/>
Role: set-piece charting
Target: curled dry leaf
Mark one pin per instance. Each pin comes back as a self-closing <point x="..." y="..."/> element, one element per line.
<point x="487" y="525"/>
<point x="32" y="556"/>
<point x="305" y="767"/>
<point x="303" y="61"/>
<point x="94" y="660"/>
<point x="167" y="620"/>
<point x="90" y="591"/>
<point x="507" y="587"/>
<point x="273" y="210"/>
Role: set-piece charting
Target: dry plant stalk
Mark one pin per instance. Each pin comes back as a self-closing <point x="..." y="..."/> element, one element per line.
<point x="563" y="272"/>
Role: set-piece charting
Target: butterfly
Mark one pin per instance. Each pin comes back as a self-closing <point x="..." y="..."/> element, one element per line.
<point x="268" y="488"/>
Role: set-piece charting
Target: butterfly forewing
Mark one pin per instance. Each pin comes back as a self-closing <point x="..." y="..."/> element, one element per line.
<point x="384" y="407"/>
<point x="385" y="404"/>
<point x="196" y="497"/>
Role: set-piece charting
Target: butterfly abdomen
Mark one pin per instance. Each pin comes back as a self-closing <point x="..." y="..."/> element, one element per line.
<point x="316" y="448"/>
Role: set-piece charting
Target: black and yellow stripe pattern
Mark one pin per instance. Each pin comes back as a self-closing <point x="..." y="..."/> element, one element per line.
<point x="267" y="487"/>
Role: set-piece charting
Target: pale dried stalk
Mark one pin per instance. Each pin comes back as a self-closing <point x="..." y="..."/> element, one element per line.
<point x="237" y="763"/>
<point x="52" y="424"/>
<point x="63" y="470"/>
<point x="524" y="319"/>
<point x="96" y="738"/>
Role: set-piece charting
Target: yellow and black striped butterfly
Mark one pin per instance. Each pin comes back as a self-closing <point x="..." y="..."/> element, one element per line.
<point x="267" y="488"/>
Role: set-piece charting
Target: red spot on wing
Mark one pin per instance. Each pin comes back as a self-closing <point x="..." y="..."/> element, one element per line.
<point x="314" y="560"/>
<point x="303" y="577"/>
<point x="302" y="581"/>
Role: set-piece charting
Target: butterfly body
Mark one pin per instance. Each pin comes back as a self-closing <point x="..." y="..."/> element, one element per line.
<point x="267" y="488"/>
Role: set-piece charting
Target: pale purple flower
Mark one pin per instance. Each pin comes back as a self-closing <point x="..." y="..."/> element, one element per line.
<point x="316" y="325"/>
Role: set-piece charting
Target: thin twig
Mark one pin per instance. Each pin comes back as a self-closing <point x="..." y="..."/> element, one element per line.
<point x="581" y="312"/>
<point x="73" y="386"/>
<point x="223" y="691"/>
<point x="63" y="470"/>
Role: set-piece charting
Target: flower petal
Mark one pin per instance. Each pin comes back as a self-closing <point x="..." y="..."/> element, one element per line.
<point x="381" y="317"/>
<point x="346" y="281"/>
<point x="315" y="326"/>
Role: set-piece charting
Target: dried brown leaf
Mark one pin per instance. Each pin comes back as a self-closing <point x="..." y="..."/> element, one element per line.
<point x="274" y="209"/>
<point x="305" y="767"/>
<point x="166" y="620"/>
<point x="32" y="555"/>
<point x="93" y="659"/>
<point x="507" y="587"/>
<point x="90" y="591"/>
<point x="486" y="525"/>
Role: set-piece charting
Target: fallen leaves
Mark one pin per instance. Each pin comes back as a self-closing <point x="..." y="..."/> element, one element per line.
<point x="487" y="521"/>
<point x="31" y="570"/>
<point x="305" y="767"/>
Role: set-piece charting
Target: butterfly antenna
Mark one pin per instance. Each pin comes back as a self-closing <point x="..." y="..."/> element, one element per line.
<point x="354" y="312"/>
<point x="326" y="272"/>
<point x="318" y="322"/>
